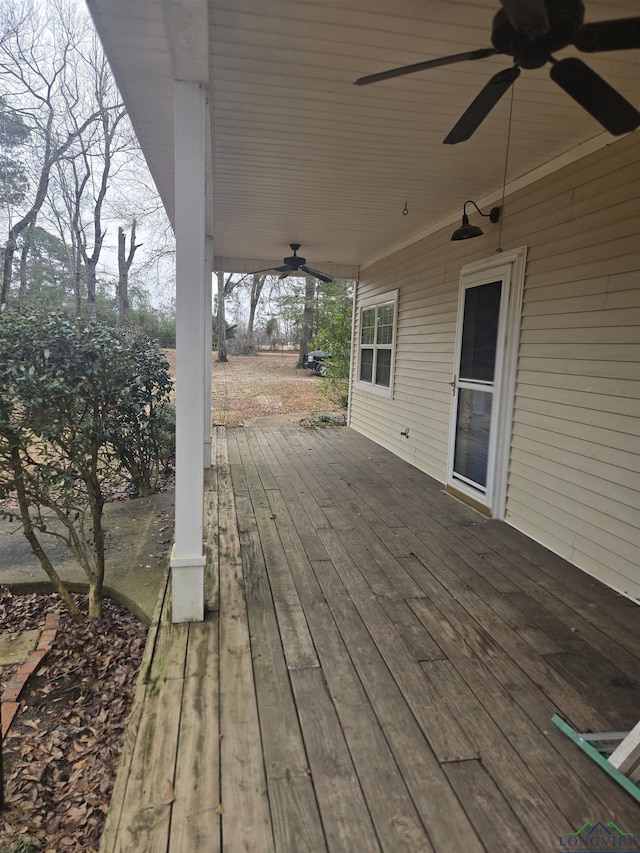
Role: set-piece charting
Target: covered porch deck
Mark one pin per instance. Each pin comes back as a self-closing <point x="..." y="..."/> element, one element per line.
<point x="378" y="670"/>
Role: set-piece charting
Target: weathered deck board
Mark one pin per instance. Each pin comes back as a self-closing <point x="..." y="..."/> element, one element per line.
<point x="112" y="824"/>
<point x="396" y="820"/>
<point x="480" y="670"/>
<point x="211" y="535"/>
<point x="532" y="805"/>
<point x="489" y="810"/>
<point x="296" y="639"/>
<point x="377" y="671"/>
<point x="342" y="805"/>
<point x="243" y="782"/>
<point x="195" y="823"/>
<point x="422" y="773"/>
<point x="446" y="737"/>
<point x="490" y="635"/>
<point x="146" y="815"/>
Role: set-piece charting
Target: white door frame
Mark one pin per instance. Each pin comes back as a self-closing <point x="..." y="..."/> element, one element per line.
<point x="507" y="267"/>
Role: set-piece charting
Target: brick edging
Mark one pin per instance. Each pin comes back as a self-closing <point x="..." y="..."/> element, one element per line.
<point x="9" y="700"/>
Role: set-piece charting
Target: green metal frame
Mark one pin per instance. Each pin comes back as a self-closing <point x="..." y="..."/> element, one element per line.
<point x="585" y="746"/>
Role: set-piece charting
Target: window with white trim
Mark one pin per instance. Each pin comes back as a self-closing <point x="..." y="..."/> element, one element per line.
<point x="376" y="343"/>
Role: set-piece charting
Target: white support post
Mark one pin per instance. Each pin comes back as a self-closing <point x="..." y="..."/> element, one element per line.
<point x="188" y="560"/>
<point x="208" y="336"/>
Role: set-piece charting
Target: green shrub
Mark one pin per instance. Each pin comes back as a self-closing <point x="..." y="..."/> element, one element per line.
<point x="79" y="403"/>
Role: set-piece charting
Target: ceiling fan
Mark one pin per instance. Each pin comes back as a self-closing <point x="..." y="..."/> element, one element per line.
<point x="529" y="31"/>
<point x="294" y="264"/>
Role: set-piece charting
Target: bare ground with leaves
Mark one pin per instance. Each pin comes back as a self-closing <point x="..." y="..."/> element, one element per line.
<point x="61" y="752"/>
<point x="268" y="383"/>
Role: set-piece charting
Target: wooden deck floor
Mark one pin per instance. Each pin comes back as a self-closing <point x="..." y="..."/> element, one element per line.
<point x="378" y="671"/>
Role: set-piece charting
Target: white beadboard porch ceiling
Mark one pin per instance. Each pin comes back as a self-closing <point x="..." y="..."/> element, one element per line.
<point x="300" y="154"/>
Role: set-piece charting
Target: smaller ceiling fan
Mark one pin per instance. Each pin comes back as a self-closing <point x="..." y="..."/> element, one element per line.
<point x="295" y="264"/>
<point x="529" y="31"/>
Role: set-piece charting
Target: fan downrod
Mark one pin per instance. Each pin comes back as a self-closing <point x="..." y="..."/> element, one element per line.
<point x="295" y="261"/>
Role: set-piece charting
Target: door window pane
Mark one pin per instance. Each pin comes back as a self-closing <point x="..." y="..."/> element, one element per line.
<point x="480" y="332"/>
<point x="472" y="435"/>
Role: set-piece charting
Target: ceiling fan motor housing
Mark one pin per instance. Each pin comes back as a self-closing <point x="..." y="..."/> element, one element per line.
<point x="565" y="20"/>
<point x="294" y="261"/>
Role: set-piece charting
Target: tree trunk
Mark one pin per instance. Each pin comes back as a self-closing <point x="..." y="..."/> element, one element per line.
<point x="96" y="507"/>
<point x="24" y="256"/>
<point x="79" y="243"/>
<point x="91" y="288"/>
<point x="123" y="280"/>
<point x="254" y="296"/>
<point x="7" y="267"/>
<point x="77" y="283"/>
<point x="222" y="320"/>
<point x="36" y="547"/>
<point x="307" y="318"/>
<point x="124" y="265"/>
<point x="95" y="599"/>
<point x="257" y="283"/>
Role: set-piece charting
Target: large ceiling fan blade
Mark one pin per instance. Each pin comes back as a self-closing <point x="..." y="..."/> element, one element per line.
<point x="284" y="275"/>
<point x="327" y="279"/>
<point x="528" y="17"/>
<point x="481" y="53"/>
<point x="258" y="272"/>
<point x="620" y="34"/>
<point x="480" y="108"/>
<point x="596" y="96"/>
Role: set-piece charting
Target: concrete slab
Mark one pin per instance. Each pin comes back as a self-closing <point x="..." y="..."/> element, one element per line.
<point x="285" y="419"/>
<point x="16" y="647"/>
<point x="139" y="533"/>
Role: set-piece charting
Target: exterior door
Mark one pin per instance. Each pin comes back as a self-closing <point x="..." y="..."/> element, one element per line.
<point x="477" y="417"/>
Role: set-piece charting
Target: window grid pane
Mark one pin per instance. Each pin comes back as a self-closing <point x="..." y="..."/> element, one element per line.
<point x="367" y="332"/>
<point x="385" y="324"/>
<point x="383" y="367"/>
<point x="366" y="365"/>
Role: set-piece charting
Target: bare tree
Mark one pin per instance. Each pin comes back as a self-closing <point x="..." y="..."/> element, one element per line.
<point x="92" y="166"/>
<point x="69" y="194"/>
<point x="41" y="86"/>
<point x="111" y="112"/>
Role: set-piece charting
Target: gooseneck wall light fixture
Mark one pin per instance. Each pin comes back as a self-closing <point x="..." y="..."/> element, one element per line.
<point x="467" y="231"/>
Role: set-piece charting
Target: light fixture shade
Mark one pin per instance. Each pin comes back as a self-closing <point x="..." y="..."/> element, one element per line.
<point x="466" y="231"/>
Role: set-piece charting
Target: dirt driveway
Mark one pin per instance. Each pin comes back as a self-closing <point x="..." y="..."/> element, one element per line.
<point x="253" y="386"/>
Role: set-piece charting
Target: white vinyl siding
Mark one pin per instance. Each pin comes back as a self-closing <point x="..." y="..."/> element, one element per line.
<point x="574" y="474"/>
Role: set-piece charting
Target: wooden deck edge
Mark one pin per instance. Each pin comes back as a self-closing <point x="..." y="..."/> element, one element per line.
<point x="109" y="834"/>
